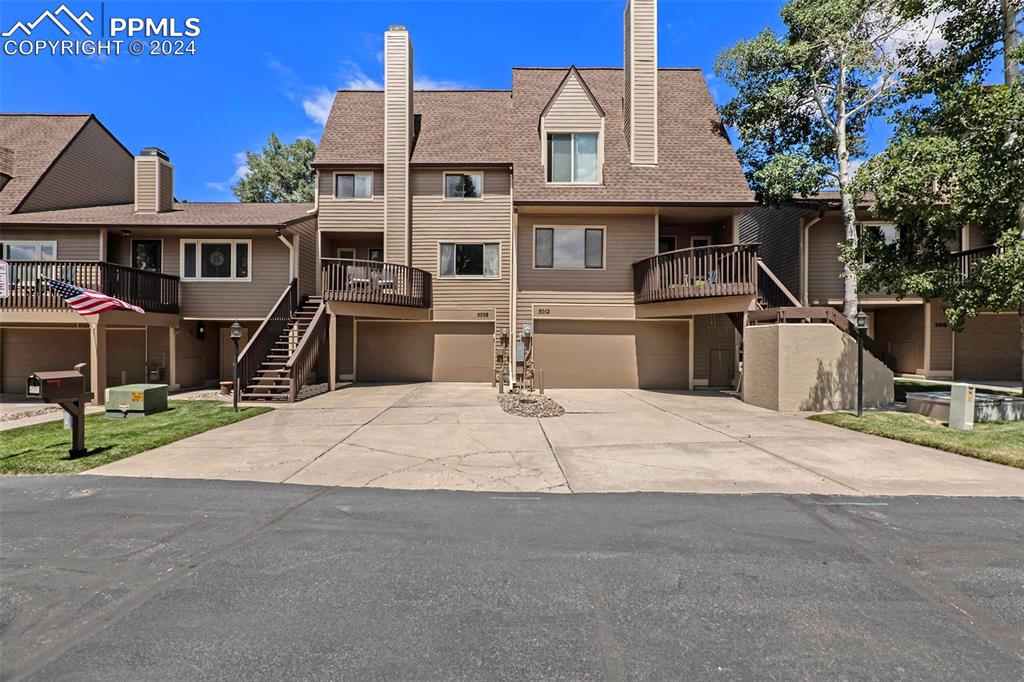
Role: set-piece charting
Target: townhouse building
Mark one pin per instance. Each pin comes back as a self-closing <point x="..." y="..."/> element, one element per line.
<point x="800" y="243"/>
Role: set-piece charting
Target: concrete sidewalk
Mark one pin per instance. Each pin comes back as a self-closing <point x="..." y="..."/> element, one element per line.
<point x="456" y="437"/>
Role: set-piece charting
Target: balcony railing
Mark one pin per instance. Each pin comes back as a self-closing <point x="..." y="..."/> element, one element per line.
<point x="701" y="272"/>
<point x="367" y="281"/>
<point x="151" y="291"/>
<point x="970" y="257"/>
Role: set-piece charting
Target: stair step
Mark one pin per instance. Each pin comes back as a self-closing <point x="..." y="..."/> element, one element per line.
<point x="265" y="387"/>
<point x="266" y="396"/>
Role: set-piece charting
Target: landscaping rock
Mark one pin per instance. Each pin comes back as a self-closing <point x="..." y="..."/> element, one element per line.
<point x="527" y="405"/>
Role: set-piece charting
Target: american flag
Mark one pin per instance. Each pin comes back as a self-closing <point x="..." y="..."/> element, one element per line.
<point x="87" y="301"/>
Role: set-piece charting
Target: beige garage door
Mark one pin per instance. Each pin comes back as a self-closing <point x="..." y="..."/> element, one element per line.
<point x="424" y="351"/>
<point x="988" y="348"/>
<point x="39" y="350"/>
<point x="613" y="354"/>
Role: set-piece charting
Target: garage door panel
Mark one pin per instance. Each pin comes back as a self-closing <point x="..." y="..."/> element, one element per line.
<point x="39" y="350"/>
<point x="612" y="354"/>
<point x="424" y="351"/>
<point x="988" y="348"/>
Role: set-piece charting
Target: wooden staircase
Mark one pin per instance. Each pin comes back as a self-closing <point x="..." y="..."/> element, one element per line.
<point x="272" y="380"/>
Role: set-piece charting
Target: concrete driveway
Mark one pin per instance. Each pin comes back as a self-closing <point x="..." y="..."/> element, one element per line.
<point x="454" y="436"/>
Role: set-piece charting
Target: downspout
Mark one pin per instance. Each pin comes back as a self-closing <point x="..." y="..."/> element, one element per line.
<point x="513" y="281"/>
<point x="805" y="256"/>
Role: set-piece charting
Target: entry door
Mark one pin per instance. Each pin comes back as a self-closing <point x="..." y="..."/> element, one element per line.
<point x="147" y="254"/>
<point x="720" y="361"/>
<point x="227" y="351"/>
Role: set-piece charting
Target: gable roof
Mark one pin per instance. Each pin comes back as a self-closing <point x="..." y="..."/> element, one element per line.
<point x="455" y="127"/>
<point x="35" y="142"/>
<point x="696" y="162"/>
<point x="183" y="214"/>
<point x="561" y="86"/>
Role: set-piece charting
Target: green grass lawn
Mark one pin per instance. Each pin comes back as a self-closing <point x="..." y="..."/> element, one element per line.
<point x="903" y="386"/>
<point x="43" y="448"/>
<point x="1001" y="442"/>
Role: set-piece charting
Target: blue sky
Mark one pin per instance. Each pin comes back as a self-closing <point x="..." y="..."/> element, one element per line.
<point x="272" y="66"/>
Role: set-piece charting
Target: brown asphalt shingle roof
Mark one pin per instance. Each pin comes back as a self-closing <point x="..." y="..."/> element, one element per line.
<point x="35" y="140"/>
<point x="696" y="162"/>
<point x="6" y="161"/>
<point x="225" y="214"/>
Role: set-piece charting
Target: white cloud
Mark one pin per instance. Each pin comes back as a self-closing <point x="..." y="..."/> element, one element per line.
<point x="428" y="83"/>
<point x="318" y="105"/>
<point x="353" y="77"/>
<point x="923" y="32"/>
<point x="241" y="170"/>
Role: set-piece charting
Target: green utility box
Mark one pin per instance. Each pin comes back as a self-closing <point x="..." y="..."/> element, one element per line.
<point x="136" y="400"/>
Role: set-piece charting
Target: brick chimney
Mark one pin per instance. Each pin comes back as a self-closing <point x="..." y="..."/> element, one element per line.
<point x="640" y="76"/>
<point x="154" y="181"/>
<point x="399" y="130"/>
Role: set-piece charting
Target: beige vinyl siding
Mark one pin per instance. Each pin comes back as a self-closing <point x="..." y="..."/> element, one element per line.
<point x="628" y="238"/>
<point x="989" y="348"/>
<point x="398" y="122"/>
<point x="227" y="299"/>
<point x="941" y="341"/>
<point x="487" y="219"/>
<point x="304" y="239"/>
<point x="824" y="271"/>
<point x="642" y="38"/>
<point x="710" y="332"/>
<point x="627" y="74"/>
<point x="73" y="243"/>
<point x="146" y="173"/>
<point x="572" y="110"/>
<point x="94" y="170"/>
<point x="350" y="214"/>
<point x="777" y="230"/>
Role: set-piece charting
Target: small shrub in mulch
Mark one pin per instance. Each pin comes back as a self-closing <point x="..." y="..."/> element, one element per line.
<point x="530" y="405"/>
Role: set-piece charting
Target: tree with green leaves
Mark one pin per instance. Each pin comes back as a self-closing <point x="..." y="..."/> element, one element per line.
<point x="278" y="173"/>
<point x="804" y="98"/>
<point x="955" y="161"/>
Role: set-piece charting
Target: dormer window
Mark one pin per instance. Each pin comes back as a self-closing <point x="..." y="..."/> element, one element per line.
<point x="572" y="157"/>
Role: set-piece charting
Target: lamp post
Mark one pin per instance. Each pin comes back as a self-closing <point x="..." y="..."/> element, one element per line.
<point x="862" y="325"/>
<point x="236" y="334"/>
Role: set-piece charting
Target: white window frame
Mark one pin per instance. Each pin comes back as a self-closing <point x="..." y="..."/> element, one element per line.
<point x="444" y="185"/>
<point x="584" y="268"/>
<point x="695" y="237"/>
<point x="334" y="185"/>
<point x="471" y="242"/>
<point x="199" y="254"/>
<point x="355" y="252"/>
<point x="131" y="250"/>
<point x="600" y="156"/>
<point x="37" y="243"/>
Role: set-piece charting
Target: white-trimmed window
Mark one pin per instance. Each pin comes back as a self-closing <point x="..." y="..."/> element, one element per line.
<point x="888" y="233"/>
<point x="463" y="185"/>
<point x="573" y="157"/>
<point x="353" y="185"/>
<point x="216" y="259"/>
<point x="568" y="247"/>
<point x="469" y="259"/>
<point x="346" y="253"/>
<point x="29" y="250"/>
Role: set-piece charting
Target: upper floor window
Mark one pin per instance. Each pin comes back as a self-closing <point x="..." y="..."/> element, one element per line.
<point x="463" y="185"/>
<point x="215" y="259"/>
<point x="886" y="233"/>
<point x="26" y="250"/>
<point x="470" y="259"/>
<point x="568" y="247"/>
<point x="353" y="185"/>
<point x="572" y="157"/>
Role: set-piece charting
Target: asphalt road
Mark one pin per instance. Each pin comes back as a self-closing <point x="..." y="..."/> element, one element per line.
<point x="139" y="579"/>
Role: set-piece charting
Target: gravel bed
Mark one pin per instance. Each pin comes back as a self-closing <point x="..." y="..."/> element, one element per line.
<point x="212" y="394"/>
<point x="530" y="405"/>
<point x="15" y="415"/>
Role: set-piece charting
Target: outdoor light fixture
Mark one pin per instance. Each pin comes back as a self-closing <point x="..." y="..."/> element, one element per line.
<point x="236" y="334"/>
<point x="862" y="325"/>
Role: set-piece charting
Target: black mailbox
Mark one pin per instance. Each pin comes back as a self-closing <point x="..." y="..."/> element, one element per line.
<point x="67" y="389"/>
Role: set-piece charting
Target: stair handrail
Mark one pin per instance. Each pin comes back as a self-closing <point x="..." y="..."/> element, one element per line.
<point x="778" y="285"/>
<point x="303" y="360"/>
<point x="260" y="343"/>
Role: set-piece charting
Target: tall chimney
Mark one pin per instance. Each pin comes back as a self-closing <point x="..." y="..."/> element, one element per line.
<point x="398" y="138"/>
<point x="154" y="181"/>
<point x="640" y="71"/>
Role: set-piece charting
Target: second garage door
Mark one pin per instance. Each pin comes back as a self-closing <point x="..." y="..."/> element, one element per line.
<point x="988" y="348"/>
<point x="613" y="353"/>
<point x="424" y="351"/>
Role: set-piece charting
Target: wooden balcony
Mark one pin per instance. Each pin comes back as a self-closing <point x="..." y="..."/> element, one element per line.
<point x="151" y="291"/>
<point x="366" y="281"/>
<point x="702" y="272"/>
<point x="969" y="257"/>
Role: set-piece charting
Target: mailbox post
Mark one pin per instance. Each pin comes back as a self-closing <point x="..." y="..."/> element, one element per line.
<point x="66" y="389"/>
